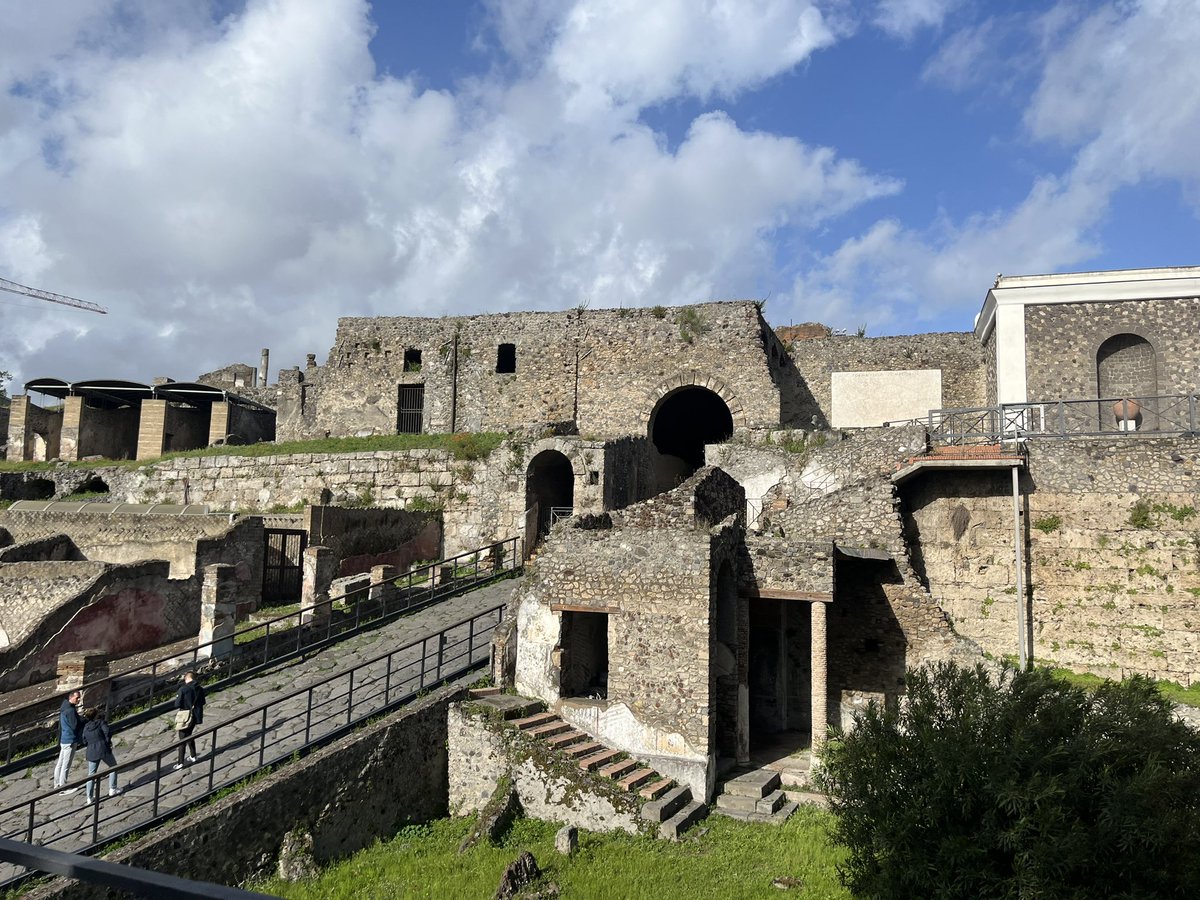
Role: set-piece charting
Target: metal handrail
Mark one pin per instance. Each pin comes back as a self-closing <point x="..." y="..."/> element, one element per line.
<point x="43" y="714"/>
<point x="1102" y="417"/>
<point x="327" y="714"/>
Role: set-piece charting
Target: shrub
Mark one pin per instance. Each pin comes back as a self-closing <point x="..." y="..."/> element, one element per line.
<point x="1029" y="787"/>
<point x="1140" y="515"/>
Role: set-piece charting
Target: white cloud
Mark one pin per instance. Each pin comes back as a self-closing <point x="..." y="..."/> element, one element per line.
<point x="227" y="185"/>
<point x="904" y="18"/>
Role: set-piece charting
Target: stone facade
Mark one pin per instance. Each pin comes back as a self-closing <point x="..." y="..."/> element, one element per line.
<point x="601" y="370"/>
<point x="1111" y="534"/>
<point x="1063" y="345"/>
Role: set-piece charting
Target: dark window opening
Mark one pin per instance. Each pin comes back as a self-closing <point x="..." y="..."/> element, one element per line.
<point x="411" y="413"/>
<point x="506" y="358"/>
<point x="584" y="655"/>
<point x="39" y="489"/>
<point x="412" y="360"/>
<point x="94" y="485"/>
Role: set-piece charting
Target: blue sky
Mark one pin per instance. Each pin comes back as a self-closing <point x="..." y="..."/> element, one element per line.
<point x="226" y="176"/>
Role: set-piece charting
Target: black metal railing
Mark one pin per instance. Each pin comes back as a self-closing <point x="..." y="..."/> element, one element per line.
<point x="255" y="647"/>
<point x="1108" y="417"/>
<point x="155" y="789"/>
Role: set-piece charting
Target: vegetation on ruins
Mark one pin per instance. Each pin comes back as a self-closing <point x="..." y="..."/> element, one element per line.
<point x="1021" y="785"/>
<point x="691" y="324"/>
<point x="721" y="858"/>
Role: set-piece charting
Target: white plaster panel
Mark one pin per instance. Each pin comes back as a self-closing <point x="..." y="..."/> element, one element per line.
<point x="1010" y="354"/>
<point x="869" y="399"/>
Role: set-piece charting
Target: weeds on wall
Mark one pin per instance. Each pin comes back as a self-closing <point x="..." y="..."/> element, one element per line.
<point x="659" y="312"/>
<point x="1140" y="515"/>
<point x="1048" y="524"/>
<point x="691" y="324"/>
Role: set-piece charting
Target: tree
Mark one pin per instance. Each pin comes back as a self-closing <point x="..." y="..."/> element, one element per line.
<point x="4" y="378"/>
<point x="1021" y="786"/>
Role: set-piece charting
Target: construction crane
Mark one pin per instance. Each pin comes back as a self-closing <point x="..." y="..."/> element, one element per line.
<point x="13" y="288"/>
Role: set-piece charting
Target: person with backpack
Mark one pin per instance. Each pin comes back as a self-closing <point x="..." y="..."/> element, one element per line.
<point x="98" y="739"/>
<point x="189" y="712"/>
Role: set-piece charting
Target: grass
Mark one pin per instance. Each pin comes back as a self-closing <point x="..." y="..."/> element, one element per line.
<point x="1177" y="693"/>
<point x="732" y="859"/>
<point x="463" y="446"/>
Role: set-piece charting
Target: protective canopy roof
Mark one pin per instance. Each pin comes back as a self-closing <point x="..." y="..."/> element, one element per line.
<point x="113" y="393"/>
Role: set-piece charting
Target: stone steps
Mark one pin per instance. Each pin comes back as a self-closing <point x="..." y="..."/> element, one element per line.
<point x="596" y="760"/>
<point x="528" y="722"/>
<point x="688" y="816"/>
<point x="755" y="797"/>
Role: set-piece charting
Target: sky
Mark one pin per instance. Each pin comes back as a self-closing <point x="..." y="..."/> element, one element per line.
<point x="226" y="176"/>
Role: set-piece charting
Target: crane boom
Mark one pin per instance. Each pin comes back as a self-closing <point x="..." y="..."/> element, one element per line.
<point x="13" y="288"/>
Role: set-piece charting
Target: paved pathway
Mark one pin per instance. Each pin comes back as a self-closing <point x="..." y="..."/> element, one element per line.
<point x="153" y="786"/>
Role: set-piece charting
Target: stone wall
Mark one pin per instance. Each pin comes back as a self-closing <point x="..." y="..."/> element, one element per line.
<point x="362" y="538"/>
<point x="597" y="368"/>
<point x="483" y="752"/>
<point x="1111" y="555"/>
<point x="361" y="789"/>
<point x="187" y="543"/>
<point x="957" y="354"/>
<point x="1062" y="340"/>
<point x="51" y="608"/>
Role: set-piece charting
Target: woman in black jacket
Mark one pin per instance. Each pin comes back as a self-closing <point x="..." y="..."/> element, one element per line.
<point x="191" y="698"/>
<point x="98" y="739"/>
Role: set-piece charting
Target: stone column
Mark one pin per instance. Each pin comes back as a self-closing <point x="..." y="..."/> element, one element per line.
<point x="18" y="429"/>
<point x="72" y="428"/>
<point x="743" y="679"/>
<point x="218" y="422"/>
<point x="218" y="611"/>
<point x="382" y="589"/>
<point x="820" y="714"/>
<point x="152" y="427"/>
<point x="319" y="563"/>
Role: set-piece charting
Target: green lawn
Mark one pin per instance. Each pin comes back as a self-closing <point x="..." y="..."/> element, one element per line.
<point x="1177" y="693"/>
<point x="731" y="860"/>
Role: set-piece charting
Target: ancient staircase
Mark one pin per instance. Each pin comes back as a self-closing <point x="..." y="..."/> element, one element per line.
<point x="663" y="803"/>
<point x="756" y="796"/>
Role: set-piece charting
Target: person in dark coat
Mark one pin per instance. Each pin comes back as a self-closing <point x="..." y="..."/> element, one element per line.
<point x="190" y="697"/>
<point x="70" y="737"/>
<point x="98" y="741"/>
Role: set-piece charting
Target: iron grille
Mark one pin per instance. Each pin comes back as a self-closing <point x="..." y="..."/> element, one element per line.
<point x="412" y="409"/>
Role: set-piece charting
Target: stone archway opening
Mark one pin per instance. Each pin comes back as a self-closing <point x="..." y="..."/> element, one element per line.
<point x="1126" y="372"/>
<point x="549" y="493"/>
<point x="93" y="486"/>
<point x="680" y="425"/>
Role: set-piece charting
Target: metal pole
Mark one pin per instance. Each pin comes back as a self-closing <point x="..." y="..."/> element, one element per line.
<point x="1022" y="660"/>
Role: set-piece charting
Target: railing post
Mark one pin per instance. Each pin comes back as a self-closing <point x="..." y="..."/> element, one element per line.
<point x="470" y="641"/>
<point x="387" y="682"/>
<point x="158" y="764"/>
<point x="441" y="654"/>
<point x="350" y="699"/>
<point x="424" y="653"/>
<point x="308" y="717"/>
<point x="262" y="738"/>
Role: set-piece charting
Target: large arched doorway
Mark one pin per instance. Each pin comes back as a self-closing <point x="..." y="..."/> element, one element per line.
<point x="549" y="493"/>
<point x="680" y="425"/>
<point x="1126" y="368"/>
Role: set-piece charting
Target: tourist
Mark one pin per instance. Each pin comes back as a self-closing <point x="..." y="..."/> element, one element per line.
<point x="98" y="738"/>
<point x="190" y="699"/>
<point x="70" y="739"/>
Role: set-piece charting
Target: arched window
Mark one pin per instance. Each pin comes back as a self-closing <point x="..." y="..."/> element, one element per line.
<point x="1126" y="367"/>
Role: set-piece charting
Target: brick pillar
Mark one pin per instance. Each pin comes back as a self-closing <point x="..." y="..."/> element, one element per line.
<point x="218" y="611"/>
<point x="820" y="712"/>
<point x="319" y="569"/>
<point x="18" y="429"/>
<point x="80" y="667"/>
<point x="73" y="424"/>
<point x="152" y="427"/>
<point x="218" y="422"/>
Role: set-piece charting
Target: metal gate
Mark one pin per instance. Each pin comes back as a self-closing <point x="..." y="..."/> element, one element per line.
<point x="411" y="409"/>
<point x="283" y="565"/>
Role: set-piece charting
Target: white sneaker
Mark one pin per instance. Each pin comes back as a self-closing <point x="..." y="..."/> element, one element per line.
<point x="191" y="759"/>
<point x="177" y="766"/>
<point x="65" y="791"/>
<point x="87" y="801"/>
<point x="113" y="792"/>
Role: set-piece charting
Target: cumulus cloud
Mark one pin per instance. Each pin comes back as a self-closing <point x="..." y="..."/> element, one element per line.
<point x="223" y="184"/>
<point x="904" y="18"/>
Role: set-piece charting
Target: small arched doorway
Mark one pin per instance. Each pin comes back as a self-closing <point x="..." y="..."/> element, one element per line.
<point x="680" y="425"/>
<point x="1126" y="369"/>
<point x="549" y="494"/>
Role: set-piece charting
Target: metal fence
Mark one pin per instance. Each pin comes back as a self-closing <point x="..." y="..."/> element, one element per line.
<point x="155" y="789"/>
<point x="256" y="647"/>
<point x="1109" y="417"/>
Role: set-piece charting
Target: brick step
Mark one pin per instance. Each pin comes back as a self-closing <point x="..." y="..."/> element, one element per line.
<point x="485" y="692"/>
<point x="536" y="719"/>
<point x="618" y="769"/>
<point x="636" y="779"/>
<point x="689" y="815"/>
<point x="596" y="760"/>
<point x="587" y="748"/>
<point x="549" y="729"/>
<point x="566" y="738"/>
<point x="655" y="789"/>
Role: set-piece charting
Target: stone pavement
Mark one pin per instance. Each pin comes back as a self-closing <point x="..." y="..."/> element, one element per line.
<point x="153" y="786"/>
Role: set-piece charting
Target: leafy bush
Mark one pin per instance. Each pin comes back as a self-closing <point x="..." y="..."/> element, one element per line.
<point x="1029" y="787"/>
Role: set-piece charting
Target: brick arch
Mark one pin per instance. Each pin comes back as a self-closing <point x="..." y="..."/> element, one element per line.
<point x="695" y="379"/>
